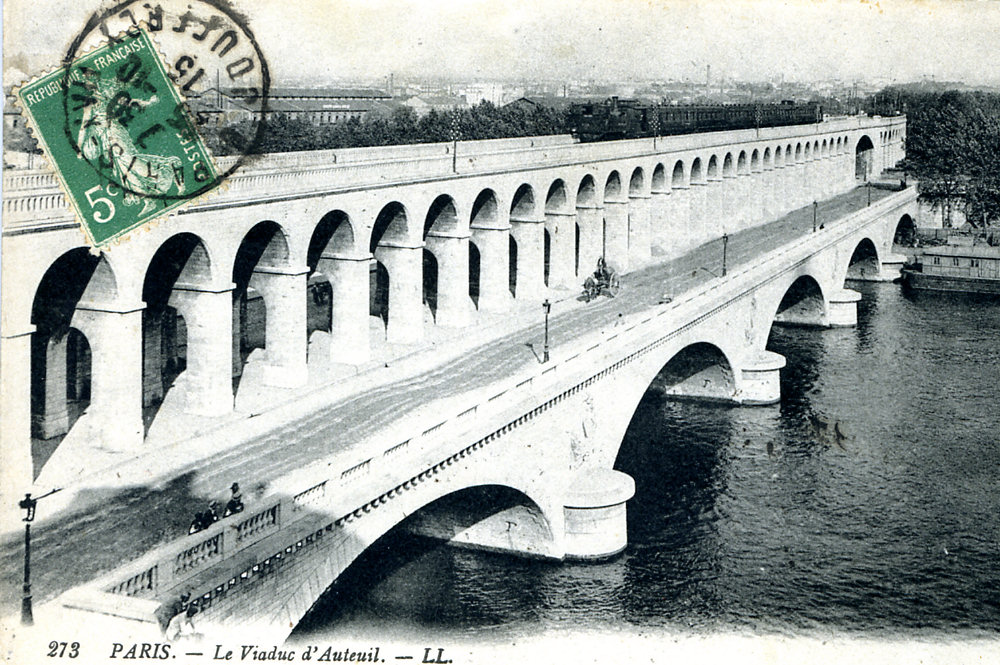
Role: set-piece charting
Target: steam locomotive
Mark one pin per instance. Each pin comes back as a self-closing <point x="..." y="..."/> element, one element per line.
<point x="630" y="118"/>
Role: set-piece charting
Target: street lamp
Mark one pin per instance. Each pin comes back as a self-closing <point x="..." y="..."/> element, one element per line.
<point x="815" y="206"/>
<point x="725" y="246"/>
<point x="454" y="140"/>
<point x="545" y="349"/>
<point x="868" y="185"/>
<point x="28" y="505"/>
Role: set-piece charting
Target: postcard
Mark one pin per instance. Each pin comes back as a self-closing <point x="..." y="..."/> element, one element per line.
<point x="483" y="332"/>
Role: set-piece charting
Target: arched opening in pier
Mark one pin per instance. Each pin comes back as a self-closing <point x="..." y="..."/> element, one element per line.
<point x="445" y="260"/>
<point x="523" y="218"/>
<point x="512" y="265"/>
<point x="864" y="264"/>
<point x="429" y="297"/>
<point x="906" y="232"/>
<point x="261" y="262"/>
<point x="576" y="250"/>
<point x="802" y="304"/>
<point x="474" y="273"/>
<point x="378" y="285"/>
<point x="489" y="246"/>
<point x="61" y="367"/>
<point x="334" y="266"/>
<point x="178" y="277"/>
<point x="392" y="266"/>
<point x="589" y="236"/>
<point x="560" y="221"/>
<point x="547" y="251"/>
<point x="422" y="569"/>
<point x="864" y="153"/>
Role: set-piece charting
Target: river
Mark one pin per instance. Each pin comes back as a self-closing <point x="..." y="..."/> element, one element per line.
<point x="747" y="519"/>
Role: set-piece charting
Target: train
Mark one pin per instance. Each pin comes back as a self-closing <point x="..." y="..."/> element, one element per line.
<point x="617" y="118"/>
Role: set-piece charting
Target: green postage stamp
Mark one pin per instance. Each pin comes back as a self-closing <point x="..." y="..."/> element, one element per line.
<point x="119" y="137"/>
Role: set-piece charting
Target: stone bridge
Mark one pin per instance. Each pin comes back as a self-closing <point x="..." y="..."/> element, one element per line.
<point x="340" y="255"/>
<point x="400" y="241"/>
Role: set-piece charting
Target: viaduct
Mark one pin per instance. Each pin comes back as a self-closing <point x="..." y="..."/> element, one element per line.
<point x="347" y="253"/>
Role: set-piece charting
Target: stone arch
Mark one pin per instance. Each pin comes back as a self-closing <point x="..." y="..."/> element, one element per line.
<point x="728" y="169"/>
<point x="864" y="152"/>
<point x="905" y="232"/>
<point x="699" y="370"/>
<point x="779" y="157"/>
<point x="613" y="187"/>
<point x="815" y="150"/>
<point x="388" y="244"/>
<point x="485" y="210"/>
<point x="697" y="173"/>
<point x="586" y="193"/>
<point x="801" y="303"/>
<point x="331" y="252"/>
<point x="556" y="200"/>
<point x="442" y="217"/>
<point x="522" y="206"/>
<point x="636" y="183"/>
<point x="412" y="512"/>
<point x="177" y="334"/>
<point x="755" y="160"/>
<point x="865" y="263"/>
<point x="807" y="156"/>
<point x="333" y="236"/>
<point x="798" y="153"/>
<point x="742" y="167"/>
<point x="769" y="160"/>
<point x="60" y="369"/>
<point x="262" y="256"/>
<point x="677" y="178"/>
<point x="659" y="181"/>
<point x="391" y="227"/>
<point x="713" y="168"/>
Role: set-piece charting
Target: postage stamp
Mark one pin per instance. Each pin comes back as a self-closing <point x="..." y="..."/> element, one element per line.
<point x="119" y="137"/>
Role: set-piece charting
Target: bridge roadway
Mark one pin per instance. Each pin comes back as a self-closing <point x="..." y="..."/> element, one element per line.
<point x="121" y="524"/>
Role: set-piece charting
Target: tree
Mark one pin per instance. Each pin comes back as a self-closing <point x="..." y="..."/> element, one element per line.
<point x="953" y="148"/>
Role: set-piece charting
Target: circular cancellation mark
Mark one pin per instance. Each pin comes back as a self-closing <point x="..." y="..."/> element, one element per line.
<point x="211" y="56"/>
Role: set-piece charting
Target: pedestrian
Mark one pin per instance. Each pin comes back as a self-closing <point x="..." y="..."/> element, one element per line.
<point x="235" y="504"/>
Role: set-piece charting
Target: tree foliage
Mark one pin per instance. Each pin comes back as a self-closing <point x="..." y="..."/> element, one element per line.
<point x="953" y="147"/>
<point x="401" y="126"/>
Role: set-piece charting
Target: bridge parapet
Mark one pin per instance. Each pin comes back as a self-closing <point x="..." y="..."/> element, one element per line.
<point x="34" y="200"/>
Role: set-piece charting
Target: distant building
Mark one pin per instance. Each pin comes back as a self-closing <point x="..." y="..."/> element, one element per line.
<point x="423" y="104"/>
<point x="317" y="107"/>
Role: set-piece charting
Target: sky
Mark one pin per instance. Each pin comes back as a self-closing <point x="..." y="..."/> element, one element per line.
<point x="312" y="41"/>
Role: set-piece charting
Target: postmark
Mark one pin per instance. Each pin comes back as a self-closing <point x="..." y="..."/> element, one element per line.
<point x="133" y="123"/>
<point x="116" y="131"/>
<point x="212" y="56"/>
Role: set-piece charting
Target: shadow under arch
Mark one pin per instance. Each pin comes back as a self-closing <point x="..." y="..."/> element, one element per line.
<point x="61" y="368"/>
<point x="864" y="263"/>
<point x="700" y="371"/>
<point x="802" y="304"/>
<point x="374" y="574"/>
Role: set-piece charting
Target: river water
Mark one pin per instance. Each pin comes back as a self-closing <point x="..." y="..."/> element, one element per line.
<point x="747" y="519"/>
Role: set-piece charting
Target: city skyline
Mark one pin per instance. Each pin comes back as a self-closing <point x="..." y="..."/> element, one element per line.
<point x="895" y="41"/>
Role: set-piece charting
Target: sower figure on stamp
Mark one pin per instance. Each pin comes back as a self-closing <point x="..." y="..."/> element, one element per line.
<point x="105" y="139"/>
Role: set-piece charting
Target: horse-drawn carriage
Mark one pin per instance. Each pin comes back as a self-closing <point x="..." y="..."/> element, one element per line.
<point x="604" y="281"/>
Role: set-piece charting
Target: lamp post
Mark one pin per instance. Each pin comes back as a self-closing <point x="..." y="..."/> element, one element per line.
<point x="28" y="505"/>
<point x="454" y="140"/>
<point x="545" y="349"/>
<point x="815" y="206"/>
<point x="725" y="247"/>
<point x="868" y="185"/>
